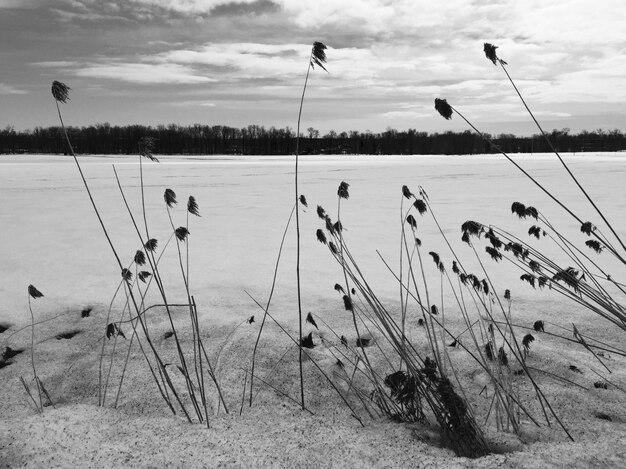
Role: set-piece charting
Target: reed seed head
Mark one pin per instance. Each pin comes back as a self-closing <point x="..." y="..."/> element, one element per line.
<point x="342" y="192"/>
<point x="528" y="278"/>
<point x="406" y="192"/>
<point x="443" y="108"/>
<point x="303" y="200"/>
<point x="192" y="206"/>
<point x="339" y="288"/>
<point x="507" y="294"/>
<point x="321" y="213"/>
<point x="143" y="275"/>
<point x="490" y="52"/>
<point x="333" y="248"/>
<point x="307" y="342"/>
<point x="329" y="224"/>
<point x="526" y="341"/>
<point x="502" y="357"/>
<point x="570" y="277"/>
<point x="151" y="245"/>
<point x="595" y="245"/>
<point x="318" y="55"/>
<point x="494" y="253"/>
<point x="410" y="219"/>
<point x="435" y="257"/>
<point x="140" y="258"/>
<point x="420" y="205"/>
<point x="363" y="342"/>
<point x="587" y="228"/>
<point x="310" y="320"/>
<point x="33" y="292"/>
<point x="146" y="147"/>
<point x="127" y="275"/>
<point x="60" y="91"/>
<point x="181" y="233"/>
<point x="534" y="266"/>
<point x="534" y="231"/>
<point x="321" y="237"/>
<point x="347" y="303"/>
<point x="538" y="326"/>
<point x="493" y="239"/>
<point x="170" y="198"/>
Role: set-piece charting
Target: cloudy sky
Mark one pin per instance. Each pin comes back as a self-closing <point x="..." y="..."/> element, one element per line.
<point x="239" y="63"/>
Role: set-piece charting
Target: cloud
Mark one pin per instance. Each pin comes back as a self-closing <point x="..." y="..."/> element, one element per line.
<point x="55" y="64"/>
<point x="8" y="89"/>
<point x="143" y="73"/>
<point x="259" y="7"/>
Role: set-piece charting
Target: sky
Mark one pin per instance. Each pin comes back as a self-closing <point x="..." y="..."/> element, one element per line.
<point x="236" y="63"/>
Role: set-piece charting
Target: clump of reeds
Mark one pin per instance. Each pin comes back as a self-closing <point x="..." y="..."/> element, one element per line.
<point x="146" y="271"/>
<point x="583" y="280"/>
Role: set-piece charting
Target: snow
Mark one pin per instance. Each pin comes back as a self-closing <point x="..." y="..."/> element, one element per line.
<point x="51" y="239"/>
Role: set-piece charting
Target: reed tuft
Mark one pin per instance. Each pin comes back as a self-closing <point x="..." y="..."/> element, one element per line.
<point x="490" y="52"/>
<point x="151" y="245"/>
<point x="33" y="292"/>
<point x="170" y="198"/>
<point x="140" y="258"/>
<point x="310" y="320"/>
<point x="342" y="192"/>
<point x="192" y="206"/>
<point x="60" y="91"/>
<point x="318" y="55"/>
<point x="443" y="108"/>
<point x="146" y="148"/>
<point x="181" y="233"/>
<point x="347" y="303"/>
<point x="321" y="237"/>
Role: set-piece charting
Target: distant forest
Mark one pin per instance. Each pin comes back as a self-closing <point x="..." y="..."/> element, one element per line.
<point x="258" y="140"/>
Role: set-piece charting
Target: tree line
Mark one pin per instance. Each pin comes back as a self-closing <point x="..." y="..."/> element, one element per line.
<point x="258" y="140"/>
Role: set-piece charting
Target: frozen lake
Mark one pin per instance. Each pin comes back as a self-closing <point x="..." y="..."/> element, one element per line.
<point x="51" y="237"/>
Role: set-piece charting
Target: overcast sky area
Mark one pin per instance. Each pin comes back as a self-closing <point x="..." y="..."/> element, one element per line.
<point x="238" y="63"/>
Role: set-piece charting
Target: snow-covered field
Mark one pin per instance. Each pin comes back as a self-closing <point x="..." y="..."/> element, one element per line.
<point x="51" y="239"/>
